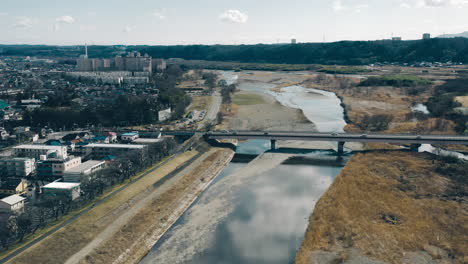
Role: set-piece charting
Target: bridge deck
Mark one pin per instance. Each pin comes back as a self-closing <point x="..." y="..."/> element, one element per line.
<point x="339" y="137"/>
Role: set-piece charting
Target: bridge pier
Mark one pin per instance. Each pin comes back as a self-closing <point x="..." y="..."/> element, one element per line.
<point x="273" y="144"/>
<point x="340" y="148"/>
<point x="415" y="147"/>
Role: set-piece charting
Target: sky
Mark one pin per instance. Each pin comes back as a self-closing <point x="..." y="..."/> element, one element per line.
<point x="174" y="22"/>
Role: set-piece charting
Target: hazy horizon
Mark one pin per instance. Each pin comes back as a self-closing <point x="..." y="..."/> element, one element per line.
<point x="179" y="22"/>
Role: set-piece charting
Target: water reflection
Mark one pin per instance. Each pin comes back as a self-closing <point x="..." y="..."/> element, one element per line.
<point x="265" y="224"/>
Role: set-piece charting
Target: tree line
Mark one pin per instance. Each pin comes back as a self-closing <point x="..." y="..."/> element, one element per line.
<point x="343" y="52"/>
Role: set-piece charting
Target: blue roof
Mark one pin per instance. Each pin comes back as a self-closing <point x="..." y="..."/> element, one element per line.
<point x="130" y="134"/>
<point x="109" y="157"/>
<point x="3" y="105"/>
<point x="99" y="138"/>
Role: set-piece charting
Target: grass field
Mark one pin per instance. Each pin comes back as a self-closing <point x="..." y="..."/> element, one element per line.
<point x="389" y="205"/>
<point x="58" y="247"/>
<point x="200" y="103"/>
<point x="247" y="99"/>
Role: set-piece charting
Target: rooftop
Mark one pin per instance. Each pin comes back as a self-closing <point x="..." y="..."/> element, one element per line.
<point x="13" y="199"/>
<point x="130" y="134"/>
<point x="3" y="105"/>
<point x="15" y="159"/>
<point x="148" y="140"/>
<point x="61" y="185"/>
<point x="115" y="146"/>
<point x="38" y="147"/>
<point x="86" y="165"/>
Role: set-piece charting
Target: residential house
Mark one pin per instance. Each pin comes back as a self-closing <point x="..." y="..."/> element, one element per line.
<point x="129" y="137"/>
<point x="13" y="186"/>
<point x="12" y="204"/>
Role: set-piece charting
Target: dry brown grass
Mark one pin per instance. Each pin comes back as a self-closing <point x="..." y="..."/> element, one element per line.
<point x="462" y="100"/>
<point x="200" y="103"/>
<point x="58" y="247"/>
<point x="404" y="184"/>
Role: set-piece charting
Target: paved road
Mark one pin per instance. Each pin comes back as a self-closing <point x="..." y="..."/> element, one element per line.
<point x="212" y="112"/>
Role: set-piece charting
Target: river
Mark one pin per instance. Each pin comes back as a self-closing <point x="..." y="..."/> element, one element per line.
<point x="257" y="212"/>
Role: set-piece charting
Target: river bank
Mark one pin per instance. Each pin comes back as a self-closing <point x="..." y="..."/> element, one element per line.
<point x="131" y="241"/>
<point x="410" y="212"/>
<point x="158" y="198"/>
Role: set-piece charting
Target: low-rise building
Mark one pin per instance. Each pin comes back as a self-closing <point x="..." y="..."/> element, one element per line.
<point x="129" y="137"/>
<point x="101" y="150"/>
<point x="17" y="167"/>
<point x="86" y="169"/>
<point x="36" y="151"/>
<point x="14" y="186"/>
<point x="164" y="115"/>
<point x="61" y="190"/>
<point x="56" y="167"/>
<point x="12" y="204"/>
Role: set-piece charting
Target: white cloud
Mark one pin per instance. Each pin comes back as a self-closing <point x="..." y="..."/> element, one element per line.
<point x="65" y="19"/>
<point x="441" y="3"/>
<point x="159" y="14"/>
<point x="338" y="5"/>
<point x="127" y="29"/>
<point x="56" y="27"/>
<point x="359" y="8"/>
<point x="23" y="22"/>
<point x="234" y="16"/>
<point x="405" y="5"/>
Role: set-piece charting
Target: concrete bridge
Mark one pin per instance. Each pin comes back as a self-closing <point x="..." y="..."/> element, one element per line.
<point x="414" y="140"/>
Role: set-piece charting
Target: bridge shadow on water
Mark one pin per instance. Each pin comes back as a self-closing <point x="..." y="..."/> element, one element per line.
<point x="301" y="156"/>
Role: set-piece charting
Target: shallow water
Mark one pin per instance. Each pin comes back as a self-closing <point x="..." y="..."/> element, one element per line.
<point x="256" y="212"/>
<point x="258" y="219"/>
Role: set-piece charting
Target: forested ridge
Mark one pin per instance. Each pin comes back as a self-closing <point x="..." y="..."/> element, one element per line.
<point x="343" y="52"/>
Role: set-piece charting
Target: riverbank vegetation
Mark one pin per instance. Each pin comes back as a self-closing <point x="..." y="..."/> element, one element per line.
<point x="443" y="103"/>
<point x="398" y="80"/>
<point x="396" y="213"/>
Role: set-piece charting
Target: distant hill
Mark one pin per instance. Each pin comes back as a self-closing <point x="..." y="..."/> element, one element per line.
<point x="460" y="35"/>
<point x="343" y="52"/>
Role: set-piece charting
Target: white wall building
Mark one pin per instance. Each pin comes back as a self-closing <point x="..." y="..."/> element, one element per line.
<point x="164" y="115"/>
<point x="61" y="190"/>
<point x="86" y="169"/>
<point x="12" y="204"/>
<point x="36" y="151"/>
<point x="110" y="149"/>
<point x="17" y="167"/>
